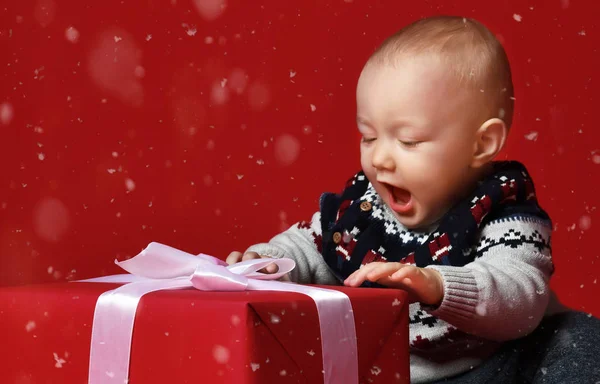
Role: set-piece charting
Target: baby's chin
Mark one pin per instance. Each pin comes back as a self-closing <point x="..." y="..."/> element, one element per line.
<point x="414" y="224"/>
<point x="417" y="221"/>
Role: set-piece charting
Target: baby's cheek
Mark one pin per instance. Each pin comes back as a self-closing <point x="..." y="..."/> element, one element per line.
<point x="366" y="166"/>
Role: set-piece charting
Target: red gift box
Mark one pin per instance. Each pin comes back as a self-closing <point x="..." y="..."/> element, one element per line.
<point x="191" y="336"/>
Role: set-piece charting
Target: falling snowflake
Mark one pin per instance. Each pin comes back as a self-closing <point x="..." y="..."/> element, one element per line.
<point x="210" y="9"/>
<point x="38" y="73"/>
<point x="139" y="72"/>
<point x="129" y="184"/>
<point x="287" y="149"/>
<point x="396" y="302"/>
<point x="190" y="29"/>
<point x="585" y="222"/>
<point x="532" y="136"/>
<point x="117" y="39"/>
<point x="517" y="17"/>
<point x="59" y="361"/>
<point x="221" y="354"/>
<point x="6" y="113"/>
<point x="582" y="33"/>
<point x="313" y="107"/>
<point x="72" y="34"/>
<point x="275" y="319"/>
<point x="292" y="73"/>
<point x="254" y="366"/>
<point x="30" y="326"/>
<point x="148" y="37"/>
<point x="219" y="94"/>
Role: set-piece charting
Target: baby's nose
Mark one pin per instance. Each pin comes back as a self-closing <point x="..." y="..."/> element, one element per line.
<point x="382" y="158"/>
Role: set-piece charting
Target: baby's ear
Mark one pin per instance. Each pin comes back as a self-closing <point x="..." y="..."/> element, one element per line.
<point x="490" y="139"/>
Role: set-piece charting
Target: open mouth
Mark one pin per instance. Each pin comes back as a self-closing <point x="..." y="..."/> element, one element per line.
<point x="400" y="200"/>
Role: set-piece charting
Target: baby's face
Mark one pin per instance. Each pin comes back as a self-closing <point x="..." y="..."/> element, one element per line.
<point x="418" y="143"/>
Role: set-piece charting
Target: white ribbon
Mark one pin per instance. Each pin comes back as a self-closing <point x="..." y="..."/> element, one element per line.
<point x="160" y="267"/>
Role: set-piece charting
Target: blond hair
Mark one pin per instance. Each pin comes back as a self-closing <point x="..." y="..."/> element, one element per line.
<point x="471" y="52"/>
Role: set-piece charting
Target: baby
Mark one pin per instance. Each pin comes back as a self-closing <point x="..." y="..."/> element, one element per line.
<point x="431" y="212"/>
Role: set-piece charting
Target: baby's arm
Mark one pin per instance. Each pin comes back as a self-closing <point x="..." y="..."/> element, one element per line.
<point x="504" y="293"/>
<point x="299" y="243"/>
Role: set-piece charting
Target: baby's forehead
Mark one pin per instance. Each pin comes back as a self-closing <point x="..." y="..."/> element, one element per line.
<point x="419" y="78"/>
<point x="421" y="68"/>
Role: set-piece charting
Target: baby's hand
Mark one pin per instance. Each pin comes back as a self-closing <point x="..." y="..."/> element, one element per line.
<point x="236" y="257"/>
<point x="423" y="285"/>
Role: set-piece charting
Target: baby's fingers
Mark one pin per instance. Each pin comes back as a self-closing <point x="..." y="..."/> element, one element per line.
<point x="250" y="256"/>
<point x="271" y="268"/>
<point x="359" y="276"/>
<point x="233" y="257"/>
<point x="383" y="271"/>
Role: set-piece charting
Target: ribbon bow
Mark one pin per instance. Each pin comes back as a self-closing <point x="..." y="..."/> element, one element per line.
<point x="160" y="267"/>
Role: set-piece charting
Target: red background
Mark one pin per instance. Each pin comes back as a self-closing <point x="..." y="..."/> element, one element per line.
<point x="210" y="128"/>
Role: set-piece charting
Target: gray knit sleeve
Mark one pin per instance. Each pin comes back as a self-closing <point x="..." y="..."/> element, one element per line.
<point x="504" y="293"/>
<point x="299" y="243"/>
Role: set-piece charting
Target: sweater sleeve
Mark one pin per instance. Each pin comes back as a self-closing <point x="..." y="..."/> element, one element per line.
<point x="503" y="294"/>
<point x="301" y="242"/>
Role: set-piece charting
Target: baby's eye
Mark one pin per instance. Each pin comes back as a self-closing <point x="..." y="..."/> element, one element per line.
<point x="410" y="144"/>
<point x="367" y="139"/>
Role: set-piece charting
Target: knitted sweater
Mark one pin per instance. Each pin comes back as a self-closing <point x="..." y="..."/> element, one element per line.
<point x="500" y="295"/>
